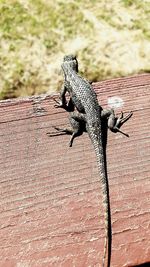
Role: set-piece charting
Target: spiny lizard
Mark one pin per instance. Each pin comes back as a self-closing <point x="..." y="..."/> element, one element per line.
<point x="87" y="115"/>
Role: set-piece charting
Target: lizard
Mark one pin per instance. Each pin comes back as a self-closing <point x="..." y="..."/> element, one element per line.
<point x="87" y="115"/>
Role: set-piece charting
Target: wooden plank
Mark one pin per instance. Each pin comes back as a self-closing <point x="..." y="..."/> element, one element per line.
<point x="50" y="195"/>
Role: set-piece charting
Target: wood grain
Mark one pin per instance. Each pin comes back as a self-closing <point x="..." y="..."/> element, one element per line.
<point x="50" y="195"/>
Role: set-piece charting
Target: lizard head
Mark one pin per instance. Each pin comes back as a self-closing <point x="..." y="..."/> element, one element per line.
<point x="71" y="61"/>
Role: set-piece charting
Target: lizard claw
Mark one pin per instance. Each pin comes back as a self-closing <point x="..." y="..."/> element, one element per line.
<point x="58" y="104"/>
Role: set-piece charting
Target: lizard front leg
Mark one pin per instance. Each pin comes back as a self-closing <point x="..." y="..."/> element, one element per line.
<point x="62" y="98"/>
<point x="63" y="103"/>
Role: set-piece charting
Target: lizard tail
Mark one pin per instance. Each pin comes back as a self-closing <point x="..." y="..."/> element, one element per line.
<point x="108" y="232"/>
<point x="102" y="166"/>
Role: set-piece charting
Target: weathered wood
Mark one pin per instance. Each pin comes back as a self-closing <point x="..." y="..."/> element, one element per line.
<point x="50" y="195"/>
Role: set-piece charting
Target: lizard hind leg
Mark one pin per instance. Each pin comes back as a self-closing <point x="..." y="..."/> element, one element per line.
<point x="78" y="127"/>
<point x="114" y="122"/>
<point x="121" y="119"/>
<point x="73" y="132"/>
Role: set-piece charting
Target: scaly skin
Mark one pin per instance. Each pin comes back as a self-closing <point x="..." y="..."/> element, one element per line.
<point x="88" y="117"/>
<point x="86" y="103"/>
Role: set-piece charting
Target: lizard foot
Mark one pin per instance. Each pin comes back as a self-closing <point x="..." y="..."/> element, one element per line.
<point x="58" y="104"/>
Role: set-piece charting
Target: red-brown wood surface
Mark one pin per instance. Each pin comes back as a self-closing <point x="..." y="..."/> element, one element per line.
<point x="50" y="195"/>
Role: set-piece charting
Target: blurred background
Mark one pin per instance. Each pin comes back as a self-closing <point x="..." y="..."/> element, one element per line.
<point x="110" y="39"/>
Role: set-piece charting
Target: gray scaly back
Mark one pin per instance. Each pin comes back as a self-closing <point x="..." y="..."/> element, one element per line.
<point x="85" y="101"/>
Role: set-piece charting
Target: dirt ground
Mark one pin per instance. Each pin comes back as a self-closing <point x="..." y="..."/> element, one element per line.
<point x="111" y="39"/>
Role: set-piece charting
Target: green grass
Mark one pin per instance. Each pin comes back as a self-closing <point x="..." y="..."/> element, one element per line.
<point x="111" y="39"/>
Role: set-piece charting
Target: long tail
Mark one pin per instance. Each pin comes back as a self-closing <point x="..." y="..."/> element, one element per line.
<point x="102" y="166"/>
<point x="108" y="232"/>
